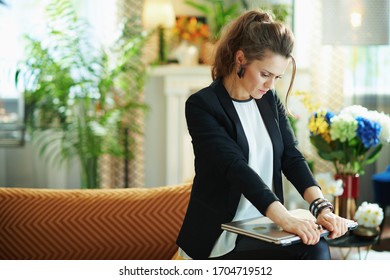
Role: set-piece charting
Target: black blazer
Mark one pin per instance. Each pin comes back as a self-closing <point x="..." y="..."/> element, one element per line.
<point x="222" y="173"/>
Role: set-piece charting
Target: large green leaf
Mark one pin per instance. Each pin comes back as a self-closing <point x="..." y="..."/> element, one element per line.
<point x="320" y="144"/>
<point x="373" y="156"/>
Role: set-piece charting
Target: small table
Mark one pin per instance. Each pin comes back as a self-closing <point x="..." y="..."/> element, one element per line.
<point x="352" y="241"/>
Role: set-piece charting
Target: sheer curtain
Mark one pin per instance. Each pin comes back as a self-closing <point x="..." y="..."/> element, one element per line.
<point x="320" y="73"/>
<point x="337" y="76"/>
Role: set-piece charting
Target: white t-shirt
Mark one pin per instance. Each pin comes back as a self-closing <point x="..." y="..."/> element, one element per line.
<point x="260" y="160"/>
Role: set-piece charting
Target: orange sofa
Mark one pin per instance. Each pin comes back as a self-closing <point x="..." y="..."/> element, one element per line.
<point x="103" y="224"/>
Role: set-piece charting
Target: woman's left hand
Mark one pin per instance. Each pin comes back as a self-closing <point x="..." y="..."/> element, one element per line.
<point x="332" y="222"/>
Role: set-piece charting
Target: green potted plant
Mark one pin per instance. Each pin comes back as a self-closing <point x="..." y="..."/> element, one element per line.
<point x="78" y="96"/>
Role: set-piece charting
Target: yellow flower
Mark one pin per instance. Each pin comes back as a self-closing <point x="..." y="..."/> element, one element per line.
<point x="307" y="101"/>
<point x="319" y="126"/>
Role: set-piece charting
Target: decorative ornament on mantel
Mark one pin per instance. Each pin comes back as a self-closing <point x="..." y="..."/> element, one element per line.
<point x="187" y="54"/>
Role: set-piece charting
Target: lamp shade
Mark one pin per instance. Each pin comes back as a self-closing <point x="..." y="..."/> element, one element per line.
<point x="355" y="22"/>
<point x="158" y="13"/>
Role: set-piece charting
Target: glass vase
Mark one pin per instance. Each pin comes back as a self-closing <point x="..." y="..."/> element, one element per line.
<point x="345" y="204"/>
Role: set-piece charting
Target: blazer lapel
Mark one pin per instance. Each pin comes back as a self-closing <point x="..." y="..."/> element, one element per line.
<point x="272" y="125"/>
<point x="228" y="106"/>
<point x="270" y="121"/>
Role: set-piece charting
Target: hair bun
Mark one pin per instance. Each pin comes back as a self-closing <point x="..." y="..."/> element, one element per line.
<point x="264" y="17"/>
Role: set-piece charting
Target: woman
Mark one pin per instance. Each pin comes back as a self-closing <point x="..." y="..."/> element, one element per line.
<point x="242" y="142"/>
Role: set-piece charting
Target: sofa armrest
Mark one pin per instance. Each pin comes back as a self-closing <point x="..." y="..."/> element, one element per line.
<point x="137" y="223"/>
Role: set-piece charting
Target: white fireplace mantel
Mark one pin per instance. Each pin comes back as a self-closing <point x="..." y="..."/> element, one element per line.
<point x="168" y="149"/>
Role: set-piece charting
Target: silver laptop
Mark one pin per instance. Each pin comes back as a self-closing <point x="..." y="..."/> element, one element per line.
<point x="264" y="229"/>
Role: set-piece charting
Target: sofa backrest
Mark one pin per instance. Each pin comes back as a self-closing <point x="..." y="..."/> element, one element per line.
<point x="113" y="224"/>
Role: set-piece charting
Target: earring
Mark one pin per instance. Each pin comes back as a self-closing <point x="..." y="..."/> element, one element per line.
<point x="241" y="71"/>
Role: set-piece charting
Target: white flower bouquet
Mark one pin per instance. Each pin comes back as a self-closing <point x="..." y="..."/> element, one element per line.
<point x="369" y="215"/>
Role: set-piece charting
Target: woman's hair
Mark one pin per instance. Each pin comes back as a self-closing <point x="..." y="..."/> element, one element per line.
<point x="254" y="33"/>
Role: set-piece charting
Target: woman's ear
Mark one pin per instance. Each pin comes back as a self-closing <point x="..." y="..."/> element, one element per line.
<point x="240" y="57"/>
<point x="240" y="63"/>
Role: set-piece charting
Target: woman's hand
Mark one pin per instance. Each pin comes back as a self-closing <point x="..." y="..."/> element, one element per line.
<point x="335" y="224"/>
<point x="307" y="230"/>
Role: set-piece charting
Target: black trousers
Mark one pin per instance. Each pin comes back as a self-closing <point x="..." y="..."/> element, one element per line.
<point x="248" y="248"/>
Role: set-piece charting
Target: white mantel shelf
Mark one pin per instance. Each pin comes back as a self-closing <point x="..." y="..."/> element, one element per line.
<point x="168" y="149"/>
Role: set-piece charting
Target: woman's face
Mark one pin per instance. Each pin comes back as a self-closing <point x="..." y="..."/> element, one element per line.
<point x="261" y="75"/>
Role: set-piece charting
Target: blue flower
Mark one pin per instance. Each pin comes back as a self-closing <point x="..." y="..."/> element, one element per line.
<point x="368" y="131"/>
<point x="328" y="116"/>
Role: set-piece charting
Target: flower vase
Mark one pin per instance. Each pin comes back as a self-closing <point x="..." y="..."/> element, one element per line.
<point x="367" y="232"/>
<point x="345" y="204"/>
<point x="187" y="54"/>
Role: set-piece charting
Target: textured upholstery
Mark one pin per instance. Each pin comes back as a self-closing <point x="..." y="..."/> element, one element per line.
<point x="140" y="223"/>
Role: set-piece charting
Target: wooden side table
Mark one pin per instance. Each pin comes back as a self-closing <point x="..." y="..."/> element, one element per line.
<point x="351" y="241"/>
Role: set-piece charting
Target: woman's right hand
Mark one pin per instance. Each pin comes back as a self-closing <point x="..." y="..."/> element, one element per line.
<point x="307" y="230"/>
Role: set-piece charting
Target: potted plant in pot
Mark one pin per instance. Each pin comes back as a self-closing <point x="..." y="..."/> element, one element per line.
<point x="78" y="96"/>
